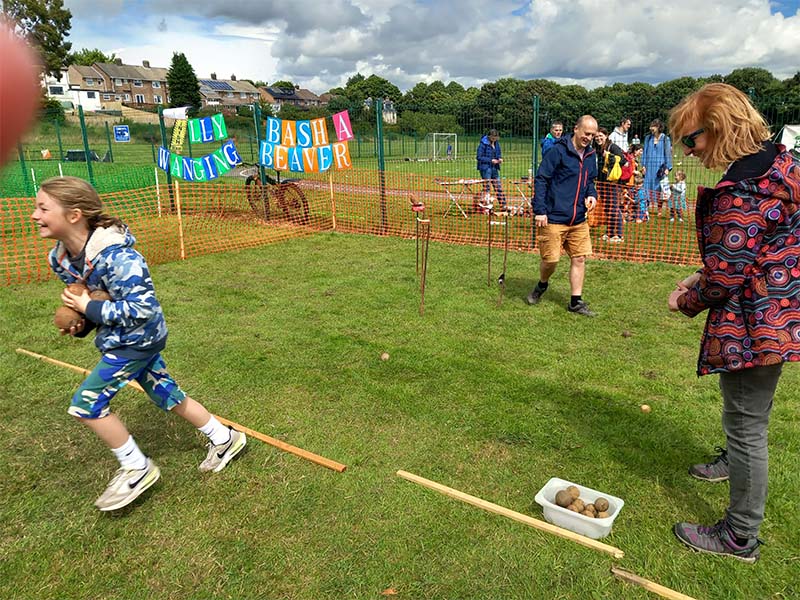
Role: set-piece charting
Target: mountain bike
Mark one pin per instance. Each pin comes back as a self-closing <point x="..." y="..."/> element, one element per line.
<point x="274" y="198"/>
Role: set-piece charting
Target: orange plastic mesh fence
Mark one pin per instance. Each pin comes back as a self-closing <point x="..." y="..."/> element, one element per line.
<point x="192" y="219"/>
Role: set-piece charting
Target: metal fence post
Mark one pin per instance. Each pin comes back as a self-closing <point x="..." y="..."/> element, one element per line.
<point x="58" y="137"/>
<point x="108" y="137"/>
<point x="25" y="179"/>
<point x="381" y="164"/>
<point x="163" y="129"/>
<point x="86" y="150"/>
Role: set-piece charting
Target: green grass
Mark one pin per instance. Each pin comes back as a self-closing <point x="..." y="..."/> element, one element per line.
<point x="491" y="400"/>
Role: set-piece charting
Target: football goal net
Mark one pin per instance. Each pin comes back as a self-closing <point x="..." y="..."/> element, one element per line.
<point x="439" y="146"/>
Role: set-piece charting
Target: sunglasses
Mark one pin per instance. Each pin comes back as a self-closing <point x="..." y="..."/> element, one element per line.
<point x="688" y="140"/>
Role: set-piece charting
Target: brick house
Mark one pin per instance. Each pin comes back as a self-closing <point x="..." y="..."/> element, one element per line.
<point x="227" y="92"/>
<point x="296" y="97"/>
<point x="116" y="82"/>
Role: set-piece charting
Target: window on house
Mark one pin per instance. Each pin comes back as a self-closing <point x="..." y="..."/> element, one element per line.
<point x="56" y="90"/>
<point x="243" y="95"/>
<point x="107" y="96"/>
<point x="140" y="98"/>
<point x="127" y="97"/>
<point x="230" y="94"/>
<point x="157" y="99"/>
<point x="91" y="95"/>
<point x="156" y="84"/>
<point x="88" y="80"/>
<point x="137" y="83"/>
<point x="118" y="82"/>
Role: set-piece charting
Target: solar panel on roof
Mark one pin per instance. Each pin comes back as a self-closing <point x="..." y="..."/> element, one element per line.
<point x="216" y="85"/>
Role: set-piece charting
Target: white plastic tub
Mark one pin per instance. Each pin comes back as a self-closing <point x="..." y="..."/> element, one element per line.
<point x="588" y="526"/>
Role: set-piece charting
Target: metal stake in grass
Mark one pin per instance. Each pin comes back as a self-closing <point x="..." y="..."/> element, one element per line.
<point x="506" y="512"/>
<point x="315" y="458"/>
<point x="426" y="226"/>
<point x="501" y="280"/>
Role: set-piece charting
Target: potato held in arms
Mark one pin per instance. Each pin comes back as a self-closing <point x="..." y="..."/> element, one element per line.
<point x="65" y="318"/>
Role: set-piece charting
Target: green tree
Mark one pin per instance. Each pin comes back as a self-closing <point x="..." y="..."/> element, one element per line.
<point x="87" y="57"/>
<point x="283" y="85"/>
<point x="184" y="90"/>
<point x="761" y="81"/>
<point x="45" y="24"/>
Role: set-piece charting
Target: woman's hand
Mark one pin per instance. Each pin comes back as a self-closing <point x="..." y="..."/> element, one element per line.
<point x="672" y="301"/>
<point x="689" y="282"/>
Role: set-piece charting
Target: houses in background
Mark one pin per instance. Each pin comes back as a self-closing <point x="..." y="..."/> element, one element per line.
<point x="106" y="86"/>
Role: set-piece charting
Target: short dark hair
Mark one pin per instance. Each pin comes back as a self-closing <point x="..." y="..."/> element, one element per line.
<point x="657" y="123"/>
<point x="554" y="123"/>
<point x="624" y="119"/>
<point x="493" y="133"/>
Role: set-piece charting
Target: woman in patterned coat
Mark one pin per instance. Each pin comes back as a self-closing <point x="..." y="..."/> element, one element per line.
<point x="748" y="227"/>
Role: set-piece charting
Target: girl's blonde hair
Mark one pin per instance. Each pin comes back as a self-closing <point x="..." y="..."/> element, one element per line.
<point x="74" y="192"/>
<point x="733" y="127"/>
<point x="680" y="174"/>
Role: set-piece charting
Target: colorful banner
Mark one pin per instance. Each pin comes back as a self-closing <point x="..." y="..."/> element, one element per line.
<point x="303" y="146"/>
<point x="178" y="135"/>
<point x="203" y="168"/>
<point x="209" y="129"/>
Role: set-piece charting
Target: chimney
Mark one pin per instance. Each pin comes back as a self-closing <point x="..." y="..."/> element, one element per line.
<point x="233" y="77"/>
<point x="214" y="76"/>
<point x="297" y="87"/>
<point x="146" y="64"/>
<point x="118" y="62"/>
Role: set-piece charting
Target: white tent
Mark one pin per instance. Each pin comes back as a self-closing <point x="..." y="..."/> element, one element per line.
<point x="790" y="137"/>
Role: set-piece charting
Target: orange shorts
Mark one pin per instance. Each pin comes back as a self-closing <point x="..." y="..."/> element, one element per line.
<point x="574" y="239"/>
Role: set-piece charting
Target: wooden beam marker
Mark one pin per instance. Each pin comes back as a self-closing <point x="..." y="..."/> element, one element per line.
<point x="650" y="586"/>
<point x="511" y="514"/>
<point x="315" y="458"/>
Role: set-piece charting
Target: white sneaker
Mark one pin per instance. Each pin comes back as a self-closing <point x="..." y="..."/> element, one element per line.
<point x="220" y="455"/>
<point x="615" y="240"/>
<point x="605" y="237"/>
<point x="681" y="220"/>
<point x="127" y="485"/>
<point x="671" y="220"/>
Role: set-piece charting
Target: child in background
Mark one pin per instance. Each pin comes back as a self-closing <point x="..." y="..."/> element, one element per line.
<point x="677" y="201"/>
<point x="642" y="200"/>
<point x="96" y="249"/>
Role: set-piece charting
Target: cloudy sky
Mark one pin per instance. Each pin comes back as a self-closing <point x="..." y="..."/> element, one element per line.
<point x="319" y="44"/>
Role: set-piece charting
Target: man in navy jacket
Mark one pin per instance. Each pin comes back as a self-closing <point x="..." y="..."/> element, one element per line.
<point x="564" y="192"/>
<point x="489" y="158"/>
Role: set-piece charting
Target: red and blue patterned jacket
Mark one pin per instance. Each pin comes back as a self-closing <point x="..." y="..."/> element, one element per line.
<point x="749" y="237"/>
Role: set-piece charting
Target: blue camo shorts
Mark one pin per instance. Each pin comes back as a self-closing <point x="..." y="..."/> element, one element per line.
<point x="112" y="373"/>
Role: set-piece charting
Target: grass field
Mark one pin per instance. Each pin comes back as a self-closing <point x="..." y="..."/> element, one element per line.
<point x="491" y="400"/>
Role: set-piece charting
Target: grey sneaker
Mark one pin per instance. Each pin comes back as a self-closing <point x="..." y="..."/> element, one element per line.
<point x="127" y="485"/>
<point x="717" y="539"/>
<point x="581" y="308"/>
<point x="221" y="455"/>
<point x="716" y="470"/>
<point x="535" y="296"/>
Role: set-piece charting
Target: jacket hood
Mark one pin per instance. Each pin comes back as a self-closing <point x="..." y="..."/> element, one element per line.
<point x="101" y="239"/>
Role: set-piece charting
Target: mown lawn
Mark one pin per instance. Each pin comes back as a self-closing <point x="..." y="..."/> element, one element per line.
<point x="490" y="399"/>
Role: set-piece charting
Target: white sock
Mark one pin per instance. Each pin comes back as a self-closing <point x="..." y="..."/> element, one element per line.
<point x="216" y="431"/>
<point x="129" y="455"/>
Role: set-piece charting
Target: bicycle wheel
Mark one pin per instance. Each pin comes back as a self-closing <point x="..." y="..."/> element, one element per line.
<point x="293" y="202"/>
<point x="258" y="199"/>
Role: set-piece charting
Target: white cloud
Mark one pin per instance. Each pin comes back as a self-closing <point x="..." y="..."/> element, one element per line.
<point x="589" y="42"/>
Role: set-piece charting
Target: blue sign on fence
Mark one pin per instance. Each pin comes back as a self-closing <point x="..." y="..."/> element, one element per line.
<point x="122" y="133"/>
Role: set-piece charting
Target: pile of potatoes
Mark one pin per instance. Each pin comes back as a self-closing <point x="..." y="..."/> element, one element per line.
<point x="569" y="498"/>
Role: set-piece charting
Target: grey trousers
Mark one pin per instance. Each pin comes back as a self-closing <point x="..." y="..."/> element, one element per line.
<point x="747" y="403"/>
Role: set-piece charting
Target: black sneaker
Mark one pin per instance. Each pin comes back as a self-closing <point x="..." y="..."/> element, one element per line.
<point x="581" y="308"/>
<point x="535" y="296"/>
<point x="716" y="470"/>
